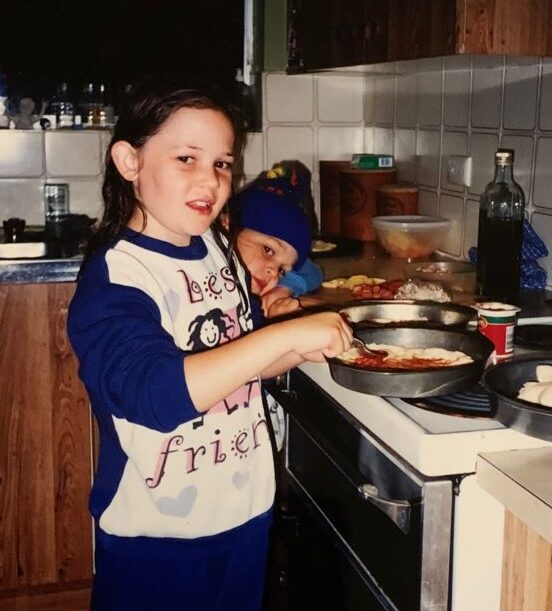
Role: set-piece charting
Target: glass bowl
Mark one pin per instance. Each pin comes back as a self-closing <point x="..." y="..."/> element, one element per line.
<point x="410" y="237"/>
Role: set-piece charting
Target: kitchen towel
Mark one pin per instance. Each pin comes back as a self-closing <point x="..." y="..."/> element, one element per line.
<point x="532" y="275"/>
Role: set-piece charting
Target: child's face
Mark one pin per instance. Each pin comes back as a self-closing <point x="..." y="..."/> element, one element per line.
<point x="267" y="258"/>
<point x="183" y="175"/>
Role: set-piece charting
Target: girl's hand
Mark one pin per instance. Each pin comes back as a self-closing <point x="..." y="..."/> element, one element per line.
<point x="319" y="335"/>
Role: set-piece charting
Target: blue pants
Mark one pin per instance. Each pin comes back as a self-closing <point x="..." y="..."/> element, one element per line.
<point x="214" y="574"/>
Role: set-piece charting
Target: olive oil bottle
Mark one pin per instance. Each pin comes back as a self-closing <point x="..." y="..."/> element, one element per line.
<point x="501" y="212"/>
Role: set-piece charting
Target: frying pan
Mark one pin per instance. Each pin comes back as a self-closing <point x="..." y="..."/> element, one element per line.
<point x="412" y="313"/>
<point x="503" y="382"/>
<point x="416" y="384"/>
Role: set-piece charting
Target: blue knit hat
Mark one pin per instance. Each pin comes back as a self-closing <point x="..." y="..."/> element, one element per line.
<point x="272" y="208"/>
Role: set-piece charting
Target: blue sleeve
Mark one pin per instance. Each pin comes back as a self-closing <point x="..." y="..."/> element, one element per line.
<point x="129" y="364"/>
<point x="307" y="278"/>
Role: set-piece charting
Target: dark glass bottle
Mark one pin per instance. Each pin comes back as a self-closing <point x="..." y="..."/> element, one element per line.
<point x="501" y="211"/>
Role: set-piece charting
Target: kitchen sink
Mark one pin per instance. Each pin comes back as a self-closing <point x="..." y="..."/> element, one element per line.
<point x="22" y="250"/>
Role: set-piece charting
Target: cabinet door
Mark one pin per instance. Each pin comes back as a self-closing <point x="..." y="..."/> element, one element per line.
<point x="45" y="465"/>
<point x="514" y="27"/>
<point x="421" y="28"/>
<point x="331" y="33"/>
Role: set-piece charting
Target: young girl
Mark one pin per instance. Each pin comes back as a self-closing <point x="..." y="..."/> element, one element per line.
<point x="162" y="328"/>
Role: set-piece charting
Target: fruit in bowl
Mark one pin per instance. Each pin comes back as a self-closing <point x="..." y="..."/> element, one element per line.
<point x="410" y="237"/>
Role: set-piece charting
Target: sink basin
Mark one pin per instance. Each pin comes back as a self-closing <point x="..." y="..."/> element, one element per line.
<point x="22" y="250"/>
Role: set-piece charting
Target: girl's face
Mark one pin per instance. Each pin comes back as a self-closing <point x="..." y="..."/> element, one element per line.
<point x="182" y="175"/>
<point x="267" y="258"/>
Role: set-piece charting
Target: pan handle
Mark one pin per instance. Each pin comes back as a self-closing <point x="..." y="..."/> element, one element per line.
<point x="397" y="510"/>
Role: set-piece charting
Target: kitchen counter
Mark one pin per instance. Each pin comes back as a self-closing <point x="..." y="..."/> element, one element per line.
<point x="37" y="271"/>
<point x="372" y="261"/>
<point x="520" y="480"/>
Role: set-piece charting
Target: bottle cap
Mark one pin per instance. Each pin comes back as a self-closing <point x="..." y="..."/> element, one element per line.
<point x="504" y="156"/>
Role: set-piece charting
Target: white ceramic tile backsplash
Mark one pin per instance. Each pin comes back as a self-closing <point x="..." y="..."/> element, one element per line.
<point x="340" y="99"/>
<point x="452" y="207"/>
<point x="406" y="99"/>
<point x="29" y="159"/>
<point x="405" y="154"/>
<point x="23" y="199"/>
<point x="289" y="99"/>
<point x="482" y="150"/>
<point x="384" y="97"/>
<point x="428" y="203"/>
<point x="429" y="91"/>
<point x="419" y="111"/>
<point x="456" y="84"/>
<point x="287" y="142"/>
<point x="21" y="154"/>
<point x="73" y="153"/>
<point x="85" y="196"/>
<point x="542" y="192"/>
<point x="454" y="143"/>
<point x="545" y="114"/>
<point x="383" y="141"/>
<point x="423" y="111"/>
<point x="429" y="147"/>
<point x="339" y="142"/>
<point x="488" y="72"/>
<point x="520" y="92"/>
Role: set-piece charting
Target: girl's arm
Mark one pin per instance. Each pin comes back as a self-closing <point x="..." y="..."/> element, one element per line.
<point x="268" y="351"/>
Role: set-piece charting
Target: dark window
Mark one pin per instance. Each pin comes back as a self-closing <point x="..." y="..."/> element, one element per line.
<point x="115" y="41"/>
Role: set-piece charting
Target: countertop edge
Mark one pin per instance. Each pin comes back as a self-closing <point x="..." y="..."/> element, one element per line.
<point x="518" y="488"/>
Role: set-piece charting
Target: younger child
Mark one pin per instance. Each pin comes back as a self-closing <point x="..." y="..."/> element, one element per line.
<point x="266" y="218"/>
<point x="162" y="327"/>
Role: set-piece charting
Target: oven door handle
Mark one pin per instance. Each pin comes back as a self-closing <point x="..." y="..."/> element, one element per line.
<point x="397" y="510"/>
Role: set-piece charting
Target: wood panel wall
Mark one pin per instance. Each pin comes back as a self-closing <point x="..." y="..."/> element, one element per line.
<point x="45" y="447"/>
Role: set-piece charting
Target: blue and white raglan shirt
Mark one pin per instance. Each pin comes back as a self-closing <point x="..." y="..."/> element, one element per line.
<point x="164" y="469"/>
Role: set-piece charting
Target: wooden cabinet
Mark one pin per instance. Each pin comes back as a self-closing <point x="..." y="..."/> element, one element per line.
<point x="325" y="34"/>
<point x="330" y="33"/>
<point x="45" y="448"/>
<point x="527" y="568"/>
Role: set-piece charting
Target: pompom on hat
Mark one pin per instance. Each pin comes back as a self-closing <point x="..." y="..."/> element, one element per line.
<point x="272" y="207"/>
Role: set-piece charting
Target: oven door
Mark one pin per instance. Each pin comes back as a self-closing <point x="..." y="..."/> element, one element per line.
<point x="393" y="525"/>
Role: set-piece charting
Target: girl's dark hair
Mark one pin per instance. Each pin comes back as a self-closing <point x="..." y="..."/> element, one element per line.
<point x="146" y="106"/>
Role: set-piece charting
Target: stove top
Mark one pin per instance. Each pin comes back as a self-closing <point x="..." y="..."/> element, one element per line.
<point x="440" y="422"/>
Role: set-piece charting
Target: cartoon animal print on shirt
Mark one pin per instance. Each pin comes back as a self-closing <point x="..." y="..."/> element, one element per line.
<point x="209" y="330"/>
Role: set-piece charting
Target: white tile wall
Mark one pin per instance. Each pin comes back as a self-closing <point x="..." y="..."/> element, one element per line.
<point x="73" y="153"/>
<point x="289" y="99"/>
<point x="429" y="92"/>
<point x="457" y="89"/>
<point x="486" y="101"/>
<point x="454" y="143"/>
<point x="21" y="154"/>
<point x="29" y="159"/>
<point x="424" y="110"/>
<point x="340" y="99"/>
<point x="419" y="111"/>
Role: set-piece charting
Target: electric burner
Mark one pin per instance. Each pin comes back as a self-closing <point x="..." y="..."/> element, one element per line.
<point x="472" y="402"/>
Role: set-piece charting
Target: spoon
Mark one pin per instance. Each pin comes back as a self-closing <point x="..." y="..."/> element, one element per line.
<point x="363" y="349"/>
